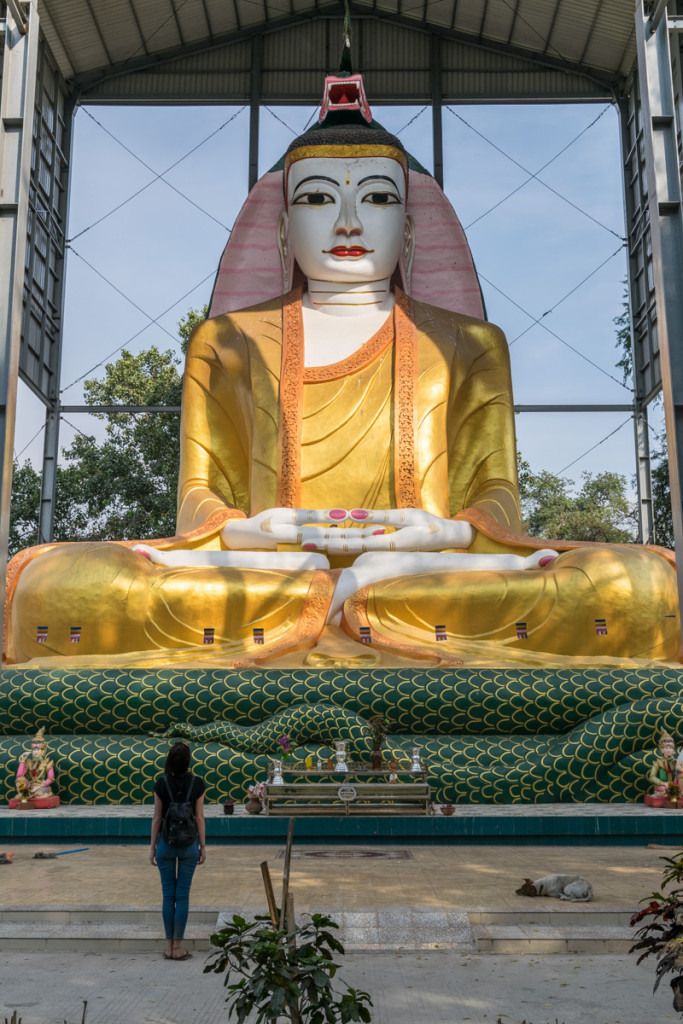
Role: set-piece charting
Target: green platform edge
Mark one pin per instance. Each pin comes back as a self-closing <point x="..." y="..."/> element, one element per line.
<point x="499" y="736"/>
<point x="584" y="829"/>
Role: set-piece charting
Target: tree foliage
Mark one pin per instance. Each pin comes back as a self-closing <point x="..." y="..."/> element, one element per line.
<point x="599" y="511"/>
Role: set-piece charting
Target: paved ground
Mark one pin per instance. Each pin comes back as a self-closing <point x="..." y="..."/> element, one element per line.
<point x="431" y="988"/>
<point x="426" y="987"/>
<point x="462" y="877"/>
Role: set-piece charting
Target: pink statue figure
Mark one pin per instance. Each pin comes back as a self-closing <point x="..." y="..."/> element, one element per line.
<point x="35" y="777"/>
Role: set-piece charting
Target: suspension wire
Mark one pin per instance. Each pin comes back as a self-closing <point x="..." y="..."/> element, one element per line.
<point x="540" y="169"/>
<point x="592" y="449"/>
<point x="315" y="111"/>
<point x="408" y="123"/>
<point x="535" y="176"/>
<point x="549" y="45"/>
<point x="178" y="6"/>
<point x="157" y="176"/>
<point x="28" y="443"/>
<point x="557" y="336"/>
<point x="283" y="122"/>
<point x="152" y="320"/>
<point x="570" y="292"/>
<point x="88" y="437"/>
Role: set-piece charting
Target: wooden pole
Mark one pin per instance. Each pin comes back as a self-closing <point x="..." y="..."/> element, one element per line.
<point x="270" y="895"/>
<point x="285" y="875"/>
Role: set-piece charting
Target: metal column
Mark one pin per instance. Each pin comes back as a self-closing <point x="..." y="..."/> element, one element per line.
<point x="640" y="305"/>
<point x="17" y="99"/>
<point x="437" y="125"/>
<point x="656" y="76"/>
<point x="54" y="198"/>
<point x="254" y="107"/>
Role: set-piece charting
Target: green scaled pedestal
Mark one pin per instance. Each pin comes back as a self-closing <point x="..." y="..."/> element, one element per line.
<point x="487" y="735"/>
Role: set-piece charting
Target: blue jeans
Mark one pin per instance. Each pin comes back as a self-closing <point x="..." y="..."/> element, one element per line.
<point x="176" y="867"/>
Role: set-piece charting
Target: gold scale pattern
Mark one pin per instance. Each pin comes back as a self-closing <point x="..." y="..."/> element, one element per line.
<point x="488" y="735"/>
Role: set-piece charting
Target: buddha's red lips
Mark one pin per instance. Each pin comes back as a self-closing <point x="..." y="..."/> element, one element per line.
<point x="352" y="250"/>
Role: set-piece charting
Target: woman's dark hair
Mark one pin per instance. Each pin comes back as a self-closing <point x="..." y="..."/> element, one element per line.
<point x="178" y="760"/>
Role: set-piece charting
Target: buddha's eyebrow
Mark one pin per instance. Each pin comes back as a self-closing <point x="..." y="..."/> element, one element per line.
<point x="314" y="177"/>
<point x="379" y="177"/>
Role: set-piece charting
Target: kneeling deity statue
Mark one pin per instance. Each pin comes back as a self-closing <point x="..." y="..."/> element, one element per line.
<point x="664" y="771"/>
<point x="348" y="487"/>
<point x="35" y="777"/>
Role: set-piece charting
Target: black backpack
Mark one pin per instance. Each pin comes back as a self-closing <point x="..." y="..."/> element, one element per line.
<point x="179" y="826"/>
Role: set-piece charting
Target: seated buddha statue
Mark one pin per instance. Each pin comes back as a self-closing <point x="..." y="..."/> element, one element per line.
<point x="348" y="486"/>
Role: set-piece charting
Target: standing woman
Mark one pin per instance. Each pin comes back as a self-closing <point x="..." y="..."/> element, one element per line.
<point x="177" y="863"/>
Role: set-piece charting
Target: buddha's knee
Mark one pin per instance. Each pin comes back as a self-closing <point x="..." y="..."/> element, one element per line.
<point x="79" y="599"/>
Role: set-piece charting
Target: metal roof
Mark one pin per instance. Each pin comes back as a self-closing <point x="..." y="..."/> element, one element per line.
<point x="201" y="50"/>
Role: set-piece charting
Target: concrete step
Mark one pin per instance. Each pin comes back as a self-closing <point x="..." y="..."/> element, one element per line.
<point x="488" y="929"/>
<point x="544" y="939"/>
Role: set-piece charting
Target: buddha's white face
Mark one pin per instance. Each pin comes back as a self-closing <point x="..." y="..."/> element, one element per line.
<point x="346" y="219"/>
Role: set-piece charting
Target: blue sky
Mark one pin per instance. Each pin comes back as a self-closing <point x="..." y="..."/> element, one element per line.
<point x="161" y="252"/>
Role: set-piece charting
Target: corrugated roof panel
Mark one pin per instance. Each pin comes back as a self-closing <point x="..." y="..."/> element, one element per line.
<point x="221" y="16"/>
<point x="74" y="24"/>
<point x="613" y="42"/>
<point x="441" y="13"/>
<point x="192" y="19"/>
<point x="249" y="12"/>
<point x="572" y="29"/>
<point x="157" y="22"/>
<point x="60" y="53"/>
<point x="291" y="86"/>
<point x="302" y="48"/>
<point x="398" y="87"/>
<point x="117" y="24"/>
<point x="532" y="25"/>
<point x="498" y="20"/>
<point x="468" y="16"/>
<point x="471" y="73"/>
<point x="392" y="47"/>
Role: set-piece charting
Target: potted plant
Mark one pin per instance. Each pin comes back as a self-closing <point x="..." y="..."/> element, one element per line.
<point x="661" y="934"/>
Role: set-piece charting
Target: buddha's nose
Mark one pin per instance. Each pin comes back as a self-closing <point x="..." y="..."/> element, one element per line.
<point x="347" y="222"/>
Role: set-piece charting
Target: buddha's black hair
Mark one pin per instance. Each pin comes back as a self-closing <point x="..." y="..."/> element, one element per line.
<point x="330" y="134"/>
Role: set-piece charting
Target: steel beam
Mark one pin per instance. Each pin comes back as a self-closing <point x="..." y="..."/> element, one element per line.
<point x="637" y="227"/>
<point x="657" y="95"/>
<point x="254" y="107"/>
<point x="17" y="100"/>
<point x="437" y="121"/>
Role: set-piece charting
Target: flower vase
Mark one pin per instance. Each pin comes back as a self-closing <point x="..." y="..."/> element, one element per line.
<point x="376" y="759"/>
<point x="253" y="805"/>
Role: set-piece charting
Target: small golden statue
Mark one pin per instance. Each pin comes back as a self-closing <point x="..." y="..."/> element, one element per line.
<point x="35" y="777"/>
<point x="663" y="773"/>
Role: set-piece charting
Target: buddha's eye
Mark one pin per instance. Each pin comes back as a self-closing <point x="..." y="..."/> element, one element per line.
<point x="382" y="198"/>
<point x="313" y="199"/>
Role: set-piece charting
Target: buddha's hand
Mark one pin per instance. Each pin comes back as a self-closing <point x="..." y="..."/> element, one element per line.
<point x="300" y="527"/>
<point x="360" y="530"/>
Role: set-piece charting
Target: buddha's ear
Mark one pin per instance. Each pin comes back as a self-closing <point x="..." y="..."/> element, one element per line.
<point x="286" y="260"/>
<point x="407" y="252"/>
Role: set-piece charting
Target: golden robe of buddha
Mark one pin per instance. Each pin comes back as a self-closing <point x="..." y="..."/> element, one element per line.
<point x="345" y="419"/>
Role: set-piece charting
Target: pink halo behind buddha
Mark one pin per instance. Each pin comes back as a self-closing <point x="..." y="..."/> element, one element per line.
<point x="443" y="270"/>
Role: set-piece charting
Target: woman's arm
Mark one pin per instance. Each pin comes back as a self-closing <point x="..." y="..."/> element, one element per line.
<point x="201" y="827"/>
<point x="156" y="825"/>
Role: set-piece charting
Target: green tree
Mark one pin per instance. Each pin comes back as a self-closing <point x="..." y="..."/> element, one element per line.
<point x="123" y="487"/>
<point x="599" y="511"/>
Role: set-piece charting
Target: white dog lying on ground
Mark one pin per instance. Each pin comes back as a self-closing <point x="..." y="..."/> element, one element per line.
<point x="565" y="887"/>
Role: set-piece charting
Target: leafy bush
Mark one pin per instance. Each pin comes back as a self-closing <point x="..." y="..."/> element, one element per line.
<point x="285" y="973"/>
